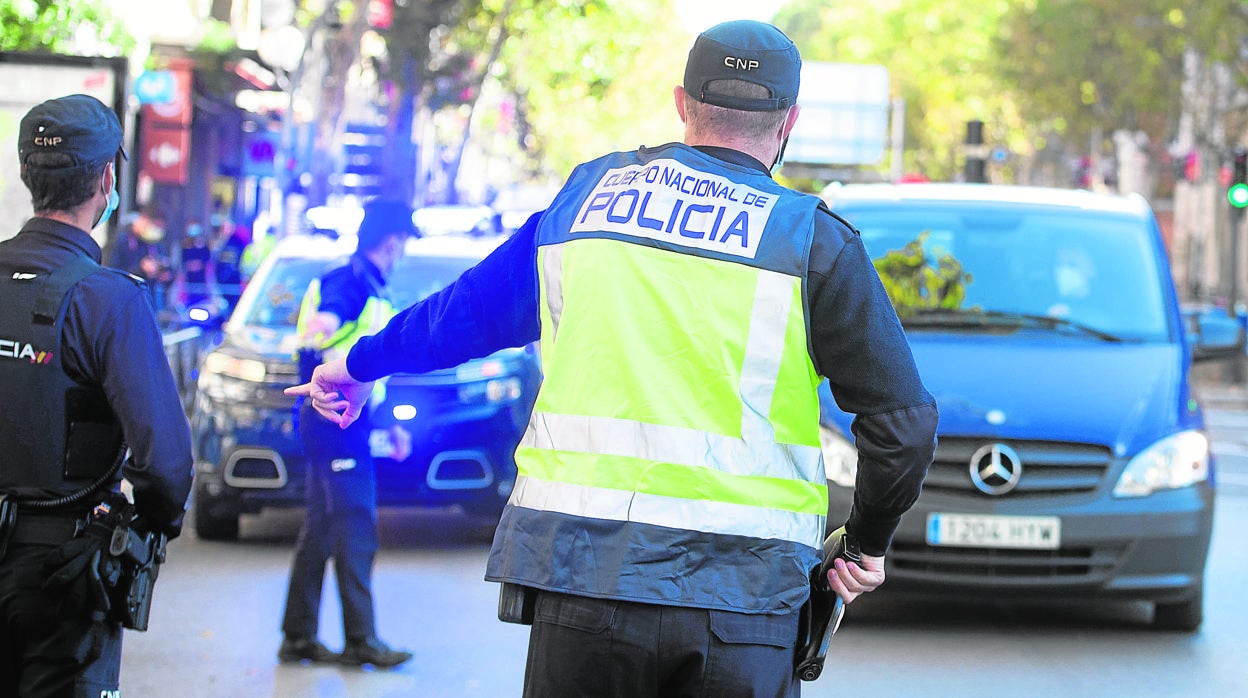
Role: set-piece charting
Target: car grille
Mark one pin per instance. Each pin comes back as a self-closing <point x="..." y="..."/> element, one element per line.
<point x="1049" y="467"/>
<point x="1002" y="568"/>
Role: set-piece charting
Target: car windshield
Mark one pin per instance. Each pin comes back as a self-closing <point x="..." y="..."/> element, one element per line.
<point x="1066" y="271"/>
<point x="414" y="278"/>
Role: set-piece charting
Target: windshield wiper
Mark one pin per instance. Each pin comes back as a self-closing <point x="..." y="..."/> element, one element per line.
<point x="984" y="318"/>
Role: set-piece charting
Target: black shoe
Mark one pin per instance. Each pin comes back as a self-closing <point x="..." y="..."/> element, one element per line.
<point x="372" y="651"/>
<point x="297" y="649"/>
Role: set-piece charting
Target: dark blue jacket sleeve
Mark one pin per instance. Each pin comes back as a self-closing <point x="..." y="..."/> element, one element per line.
<point x="492" y="306"/>
<point x="861" y="348"/>
<point x="114" y="340"/>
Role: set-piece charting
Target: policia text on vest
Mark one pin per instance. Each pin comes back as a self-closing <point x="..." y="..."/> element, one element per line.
<point x="666" y="198"/>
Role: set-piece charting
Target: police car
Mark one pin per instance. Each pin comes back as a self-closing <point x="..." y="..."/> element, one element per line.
<point x="463" y="423"/>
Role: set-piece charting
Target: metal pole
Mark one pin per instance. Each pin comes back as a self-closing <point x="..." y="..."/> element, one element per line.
<point x="1237" y="218"/>
<point x="1238" y="365"/>
<point x="975" y="170"/>
<point x="898" y="166"/>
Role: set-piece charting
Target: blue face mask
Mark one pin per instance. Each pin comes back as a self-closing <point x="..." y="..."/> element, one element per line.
<point x="114" y="200"/>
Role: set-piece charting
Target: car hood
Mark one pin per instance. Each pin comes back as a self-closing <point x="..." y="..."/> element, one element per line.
<point x="1038" y="386"/>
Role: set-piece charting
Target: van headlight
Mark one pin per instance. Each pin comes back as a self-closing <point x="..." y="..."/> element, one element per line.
<point x="840" y="457"/>
<point x="1176" y="461"/>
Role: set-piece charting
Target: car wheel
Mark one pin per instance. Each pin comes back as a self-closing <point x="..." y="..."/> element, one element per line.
<point x="215" y="519"/>
<point x="483" y="518"/>
<point x="1184" y="616"/>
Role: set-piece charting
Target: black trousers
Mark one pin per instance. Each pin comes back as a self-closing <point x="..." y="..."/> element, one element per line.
<point x="47" y="650"/>
<point x="341" y="523"/>
<point x="581" y="646"/>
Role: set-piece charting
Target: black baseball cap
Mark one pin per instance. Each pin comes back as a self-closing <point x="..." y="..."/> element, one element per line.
<point x="747" y="50"/>
<point x="383" y="218"/>
<point x="79" y="126"/>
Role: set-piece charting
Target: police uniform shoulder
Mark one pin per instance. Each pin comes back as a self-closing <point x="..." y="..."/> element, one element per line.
<point x="830" y="217"/>
<point x="116" y="278"/>
<point x="107" y="280"/>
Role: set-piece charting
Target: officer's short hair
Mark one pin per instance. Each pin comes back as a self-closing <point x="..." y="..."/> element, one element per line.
<point x="382" y="219"/>
<point x="54" y="186"/>
<point x="721" y="120"/>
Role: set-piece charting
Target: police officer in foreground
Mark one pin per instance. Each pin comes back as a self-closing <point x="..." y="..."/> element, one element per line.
<point x="348" y="302"/>
<point x="84" y="375"/>
<point x="671" y="500"/>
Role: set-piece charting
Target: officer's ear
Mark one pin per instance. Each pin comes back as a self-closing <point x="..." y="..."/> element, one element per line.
<point x="108" y="179"/>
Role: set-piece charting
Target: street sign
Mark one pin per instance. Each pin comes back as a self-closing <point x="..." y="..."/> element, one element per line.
<point x="844" y="119"/>
<point x="165" y="154"/>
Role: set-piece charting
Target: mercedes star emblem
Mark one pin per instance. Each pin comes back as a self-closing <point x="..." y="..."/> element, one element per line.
<point x="995" y="469"/>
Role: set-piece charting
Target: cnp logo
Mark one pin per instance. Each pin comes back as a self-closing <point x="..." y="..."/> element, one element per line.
<point x="740" y="63"/>
<point x="48" y="141"/>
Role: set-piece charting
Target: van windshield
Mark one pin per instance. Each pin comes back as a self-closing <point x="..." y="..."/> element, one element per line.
<point x="1085" y="270"/>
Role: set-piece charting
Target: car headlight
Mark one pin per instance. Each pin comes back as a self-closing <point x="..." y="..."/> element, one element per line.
<point x="234" y="367"/>
<point x="1176" y="461"/>
<point x="494" y="390"/>
<point x="840" y="457"/>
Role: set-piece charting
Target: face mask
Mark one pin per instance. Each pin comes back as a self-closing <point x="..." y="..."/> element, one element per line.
<point x="114" y="200"/>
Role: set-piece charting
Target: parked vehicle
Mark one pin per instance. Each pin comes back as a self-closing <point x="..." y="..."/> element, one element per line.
<point x="464" y="422"/>
<point x="1072" y="459"/>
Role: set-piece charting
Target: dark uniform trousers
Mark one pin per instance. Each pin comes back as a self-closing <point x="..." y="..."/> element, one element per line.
<point x="581" y="646"/>
<point x="341" y="522"/>
<point x="50" y="651"/>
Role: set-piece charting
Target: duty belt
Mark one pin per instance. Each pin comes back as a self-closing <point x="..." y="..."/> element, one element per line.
<point x="29" y="528"/>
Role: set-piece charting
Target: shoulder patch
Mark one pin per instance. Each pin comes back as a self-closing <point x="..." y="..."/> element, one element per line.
<point x="119" y="274"/>
<point x="823" y="206"/>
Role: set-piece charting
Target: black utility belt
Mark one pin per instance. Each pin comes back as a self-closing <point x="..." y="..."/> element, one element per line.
<point x="43" y="529"/>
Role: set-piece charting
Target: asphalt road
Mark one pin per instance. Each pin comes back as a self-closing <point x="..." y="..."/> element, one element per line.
<point x="215" y="626"/>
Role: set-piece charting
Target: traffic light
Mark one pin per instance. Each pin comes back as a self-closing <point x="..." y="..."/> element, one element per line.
<point x="1238" y="192"/>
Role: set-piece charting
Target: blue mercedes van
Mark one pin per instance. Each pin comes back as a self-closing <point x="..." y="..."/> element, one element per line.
<point x="1072" y="459"/>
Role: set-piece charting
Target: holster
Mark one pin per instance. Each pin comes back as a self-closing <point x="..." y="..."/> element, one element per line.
<point x="516" y="603"/>
<point x="109" y="567"/>
<point x="822" y="613"/>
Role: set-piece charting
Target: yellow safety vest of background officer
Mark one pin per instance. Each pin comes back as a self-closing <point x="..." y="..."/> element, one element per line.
<point x="345" y="304"/>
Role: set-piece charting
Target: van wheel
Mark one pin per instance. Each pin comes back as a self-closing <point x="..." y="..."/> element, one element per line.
<point x="1184" y="616"/>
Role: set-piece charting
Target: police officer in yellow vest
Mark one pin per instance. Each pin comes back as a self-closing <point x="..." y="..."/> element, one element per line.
<point x="345" y="304"/>
<point x="671" y="497"/>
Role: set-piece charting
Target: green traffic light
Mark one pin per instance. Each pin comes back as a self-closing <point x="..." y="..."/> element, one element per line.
<point x="1238" y="195"/>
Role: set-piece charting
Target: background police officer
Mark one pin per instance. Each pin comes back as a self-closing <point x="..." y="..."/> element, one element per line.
<point x="83" y="368"/>
<point x="671" y="499"/>
<point x="341" y="487"/>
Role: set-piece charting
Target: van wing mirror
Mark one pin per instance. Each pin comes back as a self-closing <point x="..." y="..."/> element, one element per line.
<point x="1213" y="334"/>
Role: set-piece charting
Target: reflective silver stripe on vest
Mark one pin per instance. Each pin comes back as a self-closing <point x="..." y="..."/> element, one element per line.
<point x="671" y="444"/>
<point x="552" y="264"/>
<point x="768" y="320"/>
<point x="670" y="512"/>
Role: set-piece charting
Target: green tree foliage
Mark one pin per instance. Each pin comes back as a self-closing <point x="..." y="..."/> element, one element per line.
<point x="1030" y="69"/>
<point x="592" y="76"/>
<point x="56" y="26"/>
<point x="939" y="55"/>
<point x="1085" y="65"/>
<point x="917" y="279"/>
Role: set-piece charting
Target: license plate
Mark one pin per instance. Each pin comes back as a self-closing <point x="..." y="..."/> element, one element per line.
<point x="985" y="531"/>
